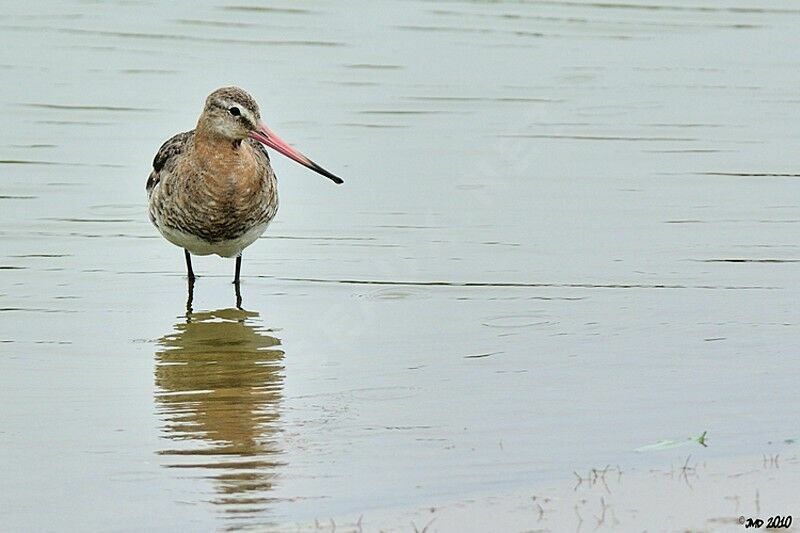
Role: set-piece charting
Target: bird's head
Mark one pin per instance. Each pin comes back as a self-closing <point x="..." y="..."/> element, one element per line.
<point x="233" y="114"/>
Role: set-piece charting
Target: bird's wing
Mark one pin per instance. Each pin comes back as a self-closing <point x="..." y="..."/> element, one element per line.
<point x="173" y="147"/>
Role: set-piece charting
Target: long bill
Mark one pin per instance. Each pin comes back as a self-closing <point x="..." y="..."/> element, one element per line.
<point x="265" y="136"/>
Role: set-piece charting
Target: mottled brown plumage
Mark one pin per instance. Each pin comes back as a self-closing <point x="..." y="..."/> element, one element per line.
<point x="212" y="189"/>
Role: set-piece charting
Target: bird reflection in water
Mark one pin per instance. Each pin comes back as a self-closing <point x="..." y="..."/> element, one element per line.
<point x="218" y="377"/>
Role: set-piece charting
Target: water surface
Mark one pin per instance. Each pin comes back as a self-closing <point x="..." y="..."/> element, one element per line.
<point x="568" y="230"/>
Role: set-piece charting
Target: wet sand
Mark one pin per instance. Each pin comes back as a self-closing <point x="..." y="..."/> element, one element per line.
<point x="684" y="495"/>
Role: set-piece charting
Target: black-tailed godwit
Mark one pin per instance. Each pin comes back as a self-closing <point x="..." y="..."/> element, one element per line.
<point x="212" y="189"/>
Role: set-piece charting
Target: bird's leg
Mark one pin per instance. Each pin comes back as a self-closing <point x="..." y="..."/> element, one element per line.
<point x="189" y="271"/>
<point x="189" y="298"/>
<point x="238" y="269"/>
<point x="238" y="296"/>
<point x="236" y="281"/>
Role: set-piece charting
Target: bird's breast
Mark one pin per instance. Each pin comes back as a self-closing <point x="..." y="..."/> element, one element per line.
<point x="224" y="193"/>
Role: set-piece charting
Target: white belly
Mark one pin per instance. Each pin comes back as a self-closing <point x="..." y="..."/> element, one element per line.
<point x="198" y="246"/>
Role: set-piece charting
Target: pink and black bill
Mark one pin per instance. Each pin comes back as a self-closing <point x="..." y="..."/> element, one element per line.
<point x="265" y="136"/>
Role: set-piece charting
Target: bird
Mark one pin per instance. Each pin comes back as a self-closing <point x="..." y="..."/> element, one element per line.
<point x="212" y="189"/>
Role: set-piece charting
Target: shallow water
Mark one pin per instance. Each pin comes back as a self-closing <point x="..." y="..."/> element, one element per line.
<point x="567" y="230"/>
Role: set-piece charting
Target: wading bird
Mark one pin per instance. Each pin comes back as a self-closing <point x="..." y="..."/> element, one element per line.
<point x="212" y="189"/>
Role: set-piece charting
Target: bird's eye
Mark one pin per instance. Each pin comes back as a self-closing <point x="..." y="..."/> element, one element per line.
<point x="234" y="111"/>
